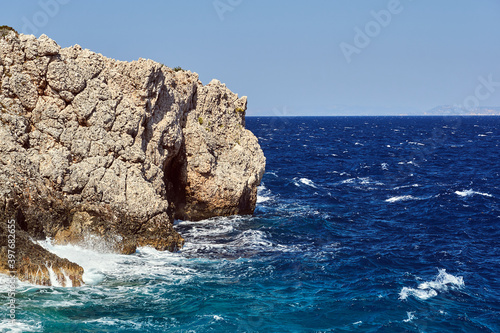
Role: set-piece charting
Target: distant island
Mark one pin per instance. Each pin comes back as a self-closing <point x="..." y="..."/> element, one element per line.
<point x="450" y="110"/>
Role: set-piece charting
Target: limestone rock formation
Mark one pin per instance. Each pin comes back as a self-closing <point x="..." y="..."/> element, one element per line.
<point x="222" y="162"/>
<point x="95" y="147"/>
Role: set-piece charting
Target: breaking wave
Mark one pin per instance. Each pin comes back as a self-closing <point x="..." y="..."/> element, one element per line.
<point x="467" y="193"/>
<point x="441" y="284"/>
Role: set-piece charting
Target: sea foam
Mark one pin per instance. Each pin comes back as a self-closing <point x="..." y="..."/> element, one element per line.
<point x="9" y="326"/>
<point x="467" y="193"/>
<point x="100" y="266"/>
<point x="442" y="283"/>
<point x="304" y="181"/>
<point x="402" y="198"/>
<point x="263" y="194"/>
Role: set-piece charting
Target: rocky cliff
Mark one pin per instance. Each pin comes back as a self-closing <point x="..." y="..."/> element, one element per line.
<point x="95" y="148"/>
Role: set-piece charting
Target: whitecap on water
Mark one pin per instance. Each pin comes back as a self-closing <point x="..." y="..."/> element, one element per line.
<point x="106" y="321"/>
<point x="406" y="186"/>
<point x="369" y="181"/>
<point x="421" y="294"/>
<point x="410" y="315"/>
<point x="214" y="227"/>
<point x="348" y="181"/>
<point x="263" y="194"/>
<point x="225" y="237"/>
<point x="253" y="239"/>
<point x="361" y="181"/>
<point x="308" y="182"/>
<point x="408" y="162"/>
<point x="304" y="181"/>
<point x="442" y="283"/>
<point x="467" y="193"/>
<point x="9" y="326"/>
<point x="401" y="198"/>
<point x="61" y="304"/>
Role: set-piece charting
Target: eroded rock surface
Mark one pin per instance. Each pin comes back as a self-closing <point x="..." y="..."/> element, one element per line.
<point x="95" y="147"/>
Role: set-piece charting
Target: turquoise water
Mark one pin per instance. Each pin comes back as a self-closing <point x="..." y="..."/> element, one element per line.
<point x="363" y="224"/>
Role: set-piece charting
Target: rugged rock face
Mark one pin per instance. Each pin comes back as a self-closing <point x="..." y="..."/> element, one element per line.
<point x="222" y="162"/>
<point x="94" y="147"/>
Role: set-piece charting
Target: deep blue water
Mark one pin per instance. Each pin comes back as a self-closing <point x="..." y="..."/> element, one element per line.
<point x="364" y="224"/>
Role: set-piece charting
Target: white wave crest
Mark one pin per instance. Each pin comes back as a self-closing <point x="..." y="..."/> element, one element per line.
<point x="225" y="237"/>
<point x="402" y="198"/>
<point x="213" y="227"/>
<point x="263" y="194"/>
<point x="406" y="186"/>
<point x="304" y="181"/>
<point x="428" y="289"/>
<point x="9" y="326"/>
<point x="107" y="321"/>
<point x="467" y="193"/>
<point x="261" y="199"/>
<point x="410" y="315"/>
<point x="422" y="294"/>
<point x="252" y="239"/>
<point x="361" y="181"/>
<point x="348" y="181"/>
<point x="408" y="162"/>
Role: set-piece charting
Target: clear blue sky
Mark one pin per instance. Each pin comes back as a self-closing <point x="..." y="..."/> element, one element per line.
<point x="288" y="56"/>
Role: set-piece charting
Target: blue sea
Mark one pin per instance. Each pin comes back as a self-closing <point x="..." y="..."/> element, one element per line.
<point x="363" y="224"/>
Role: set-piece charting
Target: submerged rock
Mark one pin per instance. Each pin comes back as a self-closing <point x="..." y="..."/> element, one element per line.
<point x="91" y="147"/>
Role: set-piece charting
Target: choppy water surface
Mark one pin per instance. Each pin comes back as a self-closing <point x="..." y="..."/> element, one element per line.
<point x="363" y="224"/>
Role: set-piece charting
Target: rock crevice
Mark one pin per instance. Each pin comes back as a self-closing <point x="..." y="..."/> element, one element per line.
<point x="95" y="147"/>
